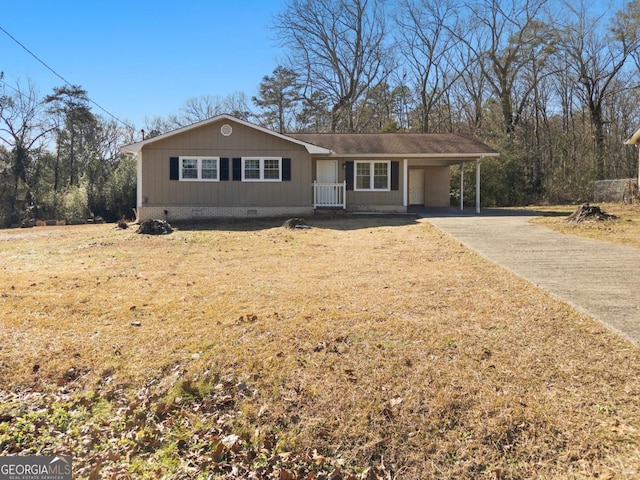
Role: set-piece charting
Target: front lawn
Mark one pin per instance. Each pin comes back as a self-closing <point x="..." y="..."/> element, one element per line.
<point x="358" y="348"/>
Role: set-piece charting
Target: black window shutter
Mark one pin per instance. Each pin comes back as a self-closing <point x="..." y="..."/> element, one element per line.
<point x="174" y="168"/>
<point x="286" y="169"/>
<point x="348" y="174"/>
<point x="395" y="175"/>
<point x="237" y="169"/>
<point x="224" y="169"/>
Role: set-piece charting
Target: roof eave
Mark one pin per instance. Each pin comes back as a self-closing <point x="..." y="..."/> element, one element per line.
<point x="314" y="149"/>
<point x="633" y="139"/>
<point x="453" y="156"/>
<point x="132" y="148"/>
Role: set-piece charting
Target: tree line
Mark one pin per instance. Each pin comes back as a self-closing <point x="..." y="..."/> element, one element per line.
<point x="58" y="160"/>
<point x="552" y="85"/>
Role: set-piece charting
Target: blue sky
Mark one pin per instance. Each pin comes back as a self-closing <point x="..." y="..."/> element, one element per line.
<point x="144" y="58"/>
<point x="141" y="58"/>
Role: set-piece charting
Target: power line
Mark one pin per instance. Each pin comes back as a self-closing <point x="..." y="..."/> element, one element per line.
<point x="62" y="78"/>
<point x="18" y="91"/>
<point x="10" y="86"/>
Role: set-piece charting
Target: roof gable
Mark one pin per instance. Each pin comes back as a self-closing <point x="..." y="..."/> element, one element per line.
<point x="137" y="146"/>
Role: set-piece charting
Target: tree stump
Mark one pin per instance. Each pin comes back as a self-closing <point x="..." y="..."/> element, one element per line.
<point x="589" y="213"/>
<point x="295" y="223"/>
<point x="155" y="227"/>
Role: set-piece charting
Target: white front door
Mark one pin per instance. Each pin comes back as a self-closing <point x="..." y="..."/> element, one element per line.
<point x="416" y="187"/>
<point x="327" y="173"/>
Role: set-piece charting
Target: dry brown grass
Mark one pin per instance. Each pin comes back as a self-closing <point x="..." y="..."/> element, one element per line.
<point x="625" y="230"/>
<point x="370" y="342"/>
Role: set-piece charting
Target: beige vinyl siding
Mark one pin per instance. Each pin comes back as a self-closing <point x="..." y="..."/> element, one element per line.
<point x="437" y="188"/>
<point x="373" y="199"/>
<point x="158" y="189"/>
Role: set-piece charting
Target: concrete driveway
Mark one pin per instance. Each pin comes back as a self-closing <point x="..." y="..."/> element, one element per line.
<point x="599" y="278"/>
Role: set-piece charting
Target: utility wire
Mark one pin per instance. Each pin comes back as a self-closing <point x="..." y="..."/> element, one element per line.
<point x="62" y="78"/>
<point x="22" y="94"/>
<point x="10" y="86"/>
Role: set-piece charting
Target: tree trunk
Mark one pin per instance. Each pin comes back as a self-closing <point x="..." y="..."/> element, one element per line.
<point x="586" y="212"/>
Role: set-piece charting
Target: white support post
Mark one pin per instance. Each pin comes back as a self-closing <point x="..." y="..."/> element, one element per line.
<point x="315" y="194"/>
<point x="462" y="186"/>
<point x="477" y="186"/>
<point x="344" y="195"/>
<point x="405" y="183"/>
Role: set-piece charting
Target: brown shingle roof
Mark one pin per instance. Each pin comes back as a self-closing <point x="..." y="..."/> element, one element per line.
<point x="396" y="143"/>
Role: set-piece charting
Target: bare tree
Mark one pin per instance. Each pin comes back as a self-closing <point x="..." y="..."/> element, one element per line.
<point x="507" y="35"/>
<point x="110" y="176"/>
<point x="197" y="109"/>
<point x="23" y="131"/>
<point x="340" y="47"/>
<point x="426" y="41"/>
<point x="596" y="57"/>
<point x="200" y="108"/>
<point x="469" y="93"/>
<point x="157" y="125"/>
<point x="374" y="112"/>
<point x="314" y="115"/>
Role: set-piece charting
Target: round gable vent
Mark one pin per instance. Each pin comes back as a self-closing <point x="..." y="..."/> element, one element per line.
<point x="226" y="130"/>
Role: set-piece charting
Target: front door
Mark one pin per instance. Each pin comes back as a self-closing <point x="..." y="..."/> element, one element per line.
<point x="327" y="171"/>
<point x="327" y="177"/>
<point x="416" y="187"/>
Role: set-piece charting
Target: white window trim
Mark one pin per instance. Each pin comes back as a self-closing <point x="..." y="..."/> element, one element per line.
<point x="199" y="160"/>
<point x="262" y="160"/>
<point x="371" y="176"/>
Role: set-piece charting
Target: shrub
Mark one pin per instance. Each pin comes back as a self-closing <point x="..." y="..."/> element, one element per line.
<point x="75" y="202"/>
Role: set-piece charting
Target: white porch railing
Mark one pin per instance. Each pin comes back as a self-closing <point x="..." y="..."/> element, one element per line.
<point x="329" y="195"/>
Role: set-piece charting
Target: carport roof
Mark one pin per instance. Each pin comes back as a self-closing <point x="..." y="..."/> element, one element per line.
<point x="398" y="144"/>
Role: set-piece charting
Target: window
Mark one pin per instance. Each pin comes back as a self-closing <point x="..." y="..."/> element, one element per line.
<point x="199" y="169"/>
<point x="189" y="169"/>
<point x="209" y="169"/>
<point x="251" y="169"/>
<point x="261" y="169"/>
<point x="271" y="169"/>
<point x="372" y="176"/>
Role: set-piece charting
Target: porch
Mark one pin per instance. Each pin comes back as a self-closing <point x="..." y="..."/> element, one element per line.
<point x="424" y="183"/>
<point x="329" y="195"/>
